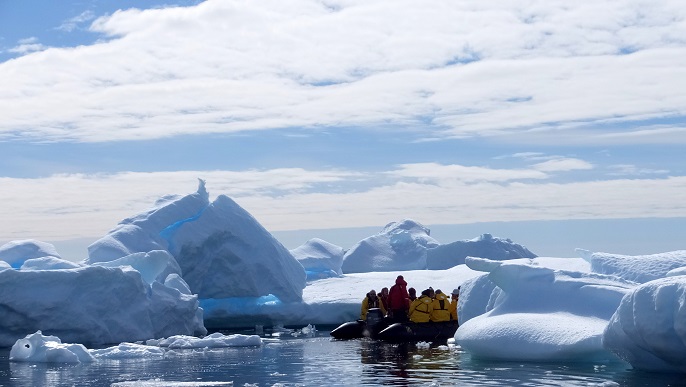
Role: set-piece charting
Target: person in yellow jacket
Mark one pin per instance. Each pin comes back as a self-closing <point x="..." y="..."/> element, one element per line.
<point x="420" y="309"/>
<point x="371" y="300"/>
<point x="440" y="307"/>
<point x="453" y="303"/>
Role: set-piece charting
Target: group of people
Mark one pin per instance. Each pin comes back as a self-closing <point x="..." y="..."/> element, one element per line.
<point x="401" y="304"/>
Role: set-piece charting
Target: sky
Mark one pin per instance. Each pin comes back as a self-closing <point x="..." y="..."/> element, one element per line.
<point x="526" y="116"/>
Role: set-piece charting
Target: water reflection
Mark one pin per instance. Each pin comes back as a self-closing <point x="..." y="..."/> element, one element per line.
<point x="407" y="364"/>
<point x="314" y="361"/>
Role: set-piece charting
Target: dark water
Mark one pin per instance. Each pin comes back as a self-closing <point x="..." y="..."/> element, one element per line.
<point x="319" y="361"/>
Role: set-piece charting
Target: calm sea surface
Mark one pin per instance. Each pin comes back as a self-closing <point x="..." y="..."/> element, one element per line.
<point x="317" y="360"/>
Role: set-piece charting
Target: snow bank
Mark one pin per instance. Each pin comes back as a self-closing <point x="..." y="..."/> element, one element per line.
<point x="540" y="314"/>
<point x="16" y="253"/>
<point x="320" y="258"/>
<point x="399" y="246"/>
<point x="648" y="330"/>
<point x="485" y="246"/>
<point x="637" y="268"/>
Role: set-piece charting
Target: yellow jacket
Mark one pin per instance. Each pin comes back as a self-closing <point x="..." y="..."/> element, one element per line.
<point x="453" y="309"/>
<point x="440" y="308"/>
<point x="420" y="309"/>
<point x="366" y="306"/>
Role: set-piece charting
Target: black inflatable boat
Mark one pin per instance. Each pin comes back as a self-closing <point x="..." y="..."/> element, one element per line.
<point x="377" y="327"/>
<point x="374" y="324"/>
<point x="409" y="332"/>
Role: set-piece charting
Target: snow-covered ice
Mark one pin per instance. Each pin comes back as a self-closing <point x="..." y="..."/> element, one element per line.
<point x="17" y="252"/>
<point x="637" y="268"/>
<point x="215" y="340"/>
<point x="399" y="246"/>
<point x="221" y="249"/>
<point x="452" y="254"/>
<point x="540" y="313"/>
<point x="648" y="330"/>
<point x="38" y="348"/>
<point x="48" y="263"/>
<point x="93" y="305"/>
<point x="319" y="258"/>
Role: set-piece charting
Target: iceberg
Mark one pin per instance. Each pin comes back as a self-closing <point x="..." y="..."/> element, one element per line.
<point x="319" y="258"/>
<point x="37" y="348"/>
<point x="93" y="305"/>
<point x="215" y="340"/>
<point x="637" y="268"/>
<point x="226" y="253"/>
<point x="452" y="254"/>
<point x="221" y="250"/>
<point x="540" y="314"/>
<point x="648" y="330"/>
<point x="399" y="246"/>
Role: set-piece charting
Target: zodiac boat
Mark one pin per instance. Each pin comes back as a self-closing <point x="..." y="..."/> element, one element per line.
<point x="377" y="327"/>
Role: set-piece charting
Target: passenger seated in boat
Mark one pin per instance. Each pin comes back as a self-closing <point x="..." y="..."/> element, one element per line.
<point x="453" y="303"/>
<point x="371" y="301"/>
<point x="383" y="295"/>
<point x="412" y="293"/>
<point x="420" y="309"/>
<point x="440" y="307"/>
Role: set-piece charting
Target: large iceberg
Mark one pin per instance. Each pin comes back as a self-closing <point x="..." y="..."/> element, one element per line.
<point x="399" y="246"/>
<point x="541" y="314"/>
<point x="648" y="330"/>
<point x="222" y="251"/>
<point x="485" y="246"/>
<point x="225" y="252"/>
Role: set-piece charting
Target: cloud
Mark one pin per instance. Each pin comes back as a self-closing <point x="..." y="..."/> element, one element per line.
<point x="77" y="21"/>
<point x="27" y="46"/>
<point x="632" y="170"/>
<point x="451" y="174"/>
<point x="73" y="206"/>
<point x="562" y="164"/>
<point x="515" y="71"/>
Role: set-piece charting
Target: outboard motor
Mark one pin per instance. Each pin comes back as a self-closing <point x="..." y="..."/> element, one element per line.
<point x="375" y="322"/>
